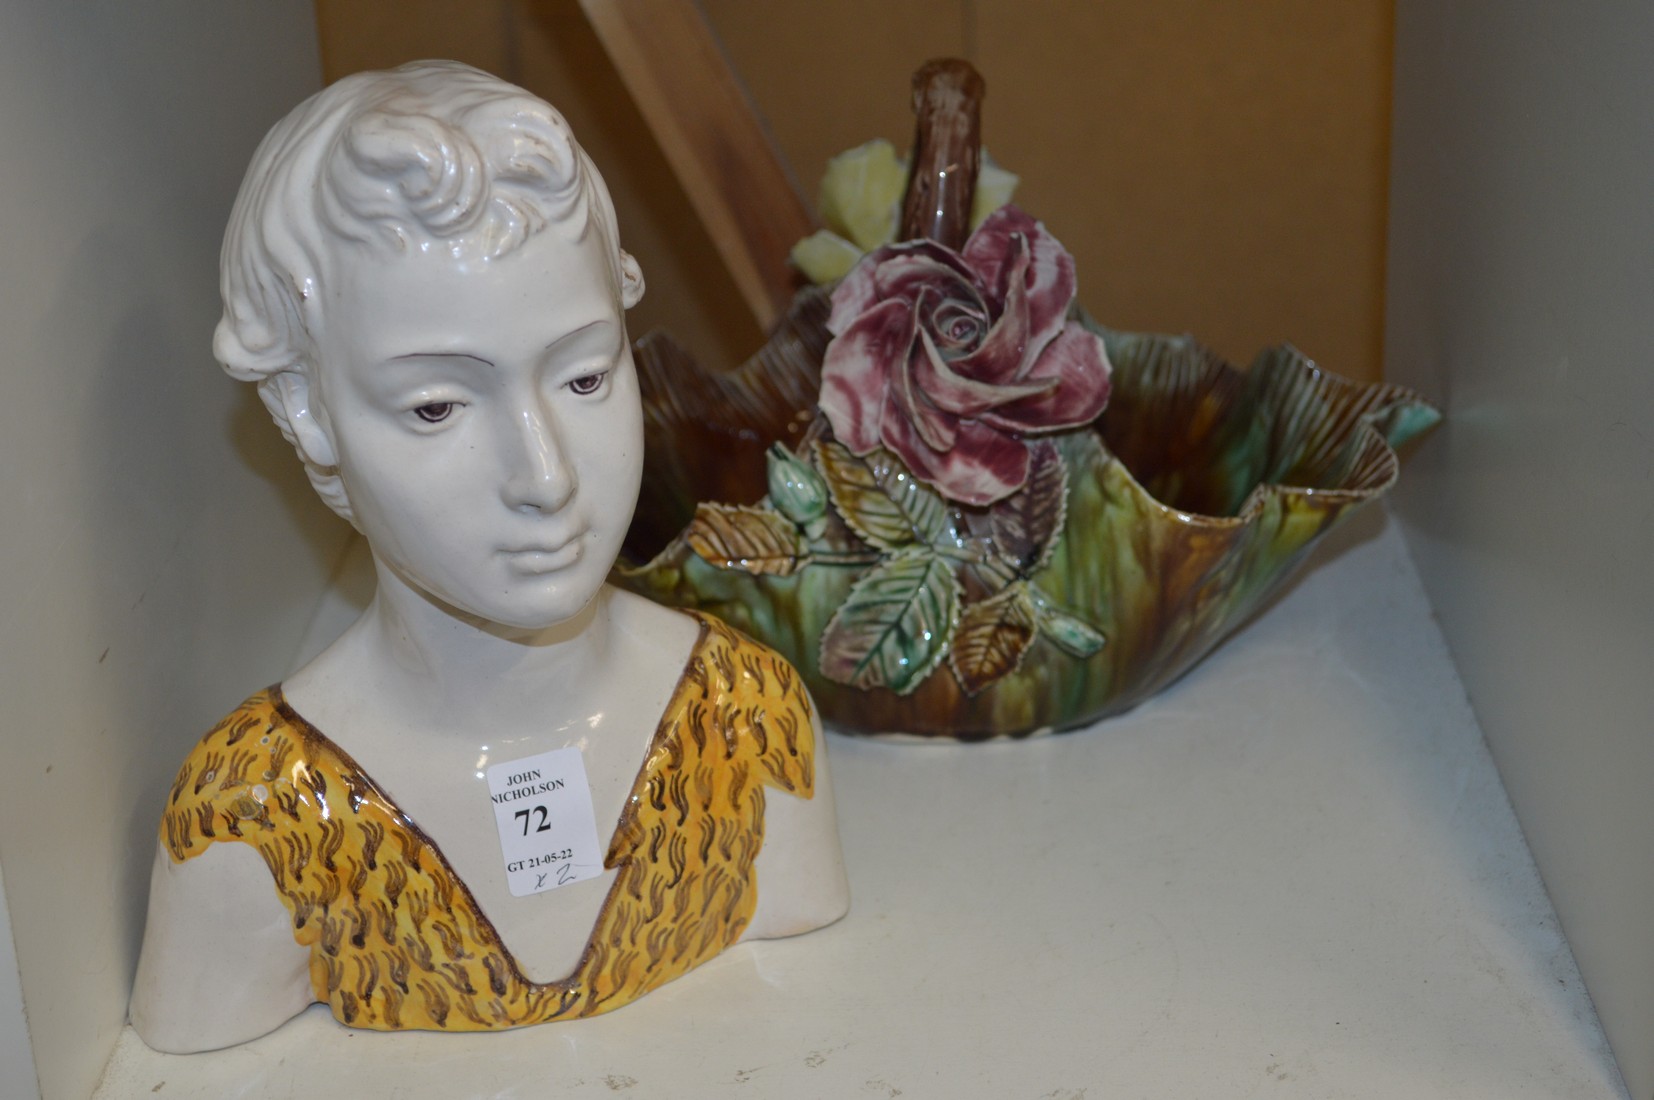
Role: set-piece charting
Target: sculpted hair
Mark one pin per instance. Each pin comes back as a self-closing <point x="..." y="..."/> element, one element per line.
<point x="432" y="155"/>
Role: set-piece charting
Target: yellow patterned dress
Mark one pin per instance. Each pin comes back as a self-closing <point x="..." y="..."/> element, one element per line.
<point x="396" y="939"/>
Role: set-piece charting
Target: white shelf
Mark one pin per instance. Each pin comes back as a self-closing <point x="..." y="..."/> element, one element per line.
<point x="1294" y="874"/>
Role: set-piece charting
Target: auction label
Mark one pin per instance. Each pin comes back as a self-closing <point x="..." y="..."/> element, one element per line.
<point x="548" y="832"/>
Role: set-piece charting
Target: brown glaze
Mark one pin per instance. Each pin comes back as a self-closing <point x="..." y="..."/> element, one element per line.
<point x="1188" y="502"/>
<point x="1151" y="532"/>
<point x="947" y="100"/>
<point x="713" y="427"/>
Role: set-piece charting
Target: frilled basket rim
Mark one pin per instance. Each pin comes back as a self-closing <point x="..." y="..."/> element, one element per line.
<point x="1158" y="528"/>
<point x="1324" y="435"/>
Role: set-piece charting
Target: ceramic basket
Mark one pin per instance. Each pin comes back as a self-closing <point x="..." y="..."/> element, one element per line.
<point x="985" y="554"/>
<point x="1186" y="505"/>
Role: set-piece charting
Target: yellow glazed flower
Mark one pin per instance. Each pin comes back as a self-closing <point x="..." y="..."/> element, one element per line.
<point x="860" y="202"/>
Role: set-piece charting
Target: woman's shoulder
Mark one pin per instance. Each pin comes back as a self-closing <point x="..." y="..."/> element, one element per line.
<point x="749" y="667"/>
<point x="223" y="788"/>
<point x="652" y="624"/>
<point x="675" y="628"/>
<point x="226" y="751"/>
<point x="739" y="700"/>
<point x="701" y="635"/>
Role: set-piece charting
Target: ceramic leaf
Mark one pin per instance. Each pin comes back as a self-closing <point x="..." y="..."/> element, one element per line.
<point x="824" y="256"/>
<point x="755" y="540"/>
<point x="991" y="638"/>
<point x="1026" y="524"/>
<point x="860" y="202"/>
<point x="860" y="191"/>
<point x="893" y="628"/>
<point x="880" y="500"/>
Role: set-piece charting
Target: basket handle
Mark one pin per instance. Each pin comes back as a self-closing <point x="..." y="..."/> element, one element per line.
<point x="947" y="100"/>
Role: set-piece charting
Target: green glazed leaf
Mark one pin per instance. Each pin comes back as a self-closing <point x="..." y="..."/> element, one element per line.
<point x="1027" y="523"/>
<point x="894" y="628"/>
<point x="880" y="500"/>
<point x="753" y="540"/>
<point x="993" y="635"/>
<point x="1073" y="636"/>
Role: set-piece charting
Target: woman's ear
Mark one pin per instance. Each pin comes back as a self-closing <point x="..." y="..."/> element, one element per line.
<point x="292" y="404"/>
<point x="631" y="281"/>
<point x="291" y="401"/>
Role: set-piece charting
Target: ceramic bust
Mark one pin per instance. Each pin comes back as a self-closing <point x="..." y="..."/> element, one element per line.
<point x="423" y="276"/>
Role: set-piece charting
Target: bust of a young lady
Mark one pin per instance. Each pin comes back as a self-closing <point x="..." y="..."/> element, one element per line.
<point x="422" y="274"/>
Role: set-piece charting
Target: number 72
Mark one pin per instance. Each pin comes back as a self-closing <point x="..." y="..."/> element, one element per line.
<point x="543" y="827"/>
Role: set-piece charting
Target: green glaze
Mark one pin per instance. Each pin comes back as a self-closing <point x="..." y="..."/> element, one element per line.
<point x="1182" y="509"/>
<point x="893" y="629"/>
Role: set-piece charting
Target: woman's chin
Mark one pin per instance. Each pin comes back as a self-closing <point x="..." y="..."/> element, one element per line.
<point x="539" y="620"/>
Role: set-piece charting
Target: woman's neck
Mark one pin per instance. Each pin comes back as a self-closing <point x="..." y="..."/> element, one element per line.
<point x="418" y="656"/>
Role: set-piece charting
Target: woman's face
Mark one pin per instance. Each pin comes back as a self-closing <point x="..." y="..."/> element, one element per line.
<point x="486" y="421"/>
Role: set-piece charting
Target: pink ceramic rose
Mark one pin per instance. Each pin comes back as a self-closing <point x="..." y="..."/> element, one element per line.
<point x="949" y="359"/>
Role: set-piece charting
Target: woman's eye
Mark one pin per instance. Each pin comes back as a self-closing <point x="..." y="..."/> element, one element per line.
<point x="436" y="412"/>
<point x="588" y="383"/>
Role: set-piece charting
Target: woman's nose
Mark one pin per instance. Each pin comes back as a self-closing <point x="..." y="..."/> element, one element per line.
<point x="540" y="477"/>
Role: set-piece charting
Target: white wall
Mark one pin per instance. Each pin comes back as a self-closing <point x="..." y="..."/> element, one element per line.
<point x="151" y="569"/>
<point x="1521" y="292"/>
<point x="17" y="1078"/>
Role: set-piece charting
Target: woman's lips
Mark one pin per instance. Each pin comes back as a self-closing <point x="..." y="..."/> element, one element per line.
<point x="546" y="557"/>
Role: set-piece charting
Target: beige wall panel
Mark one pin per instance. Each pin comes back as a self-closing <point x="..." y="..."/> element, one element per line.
<point x="1218" y="166"/>
<point x="376" y="34"/>
<point x="690" y="293"/>
<point x="547" y="46"/>
<point x="828" y="76"/>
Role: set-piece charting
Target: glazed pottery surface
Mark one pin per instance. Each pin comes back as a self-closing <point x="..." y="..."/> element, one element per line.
<point x="958" y="505"/>
<point x="423" y="275"/>
<point x="1180" y="510"/>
